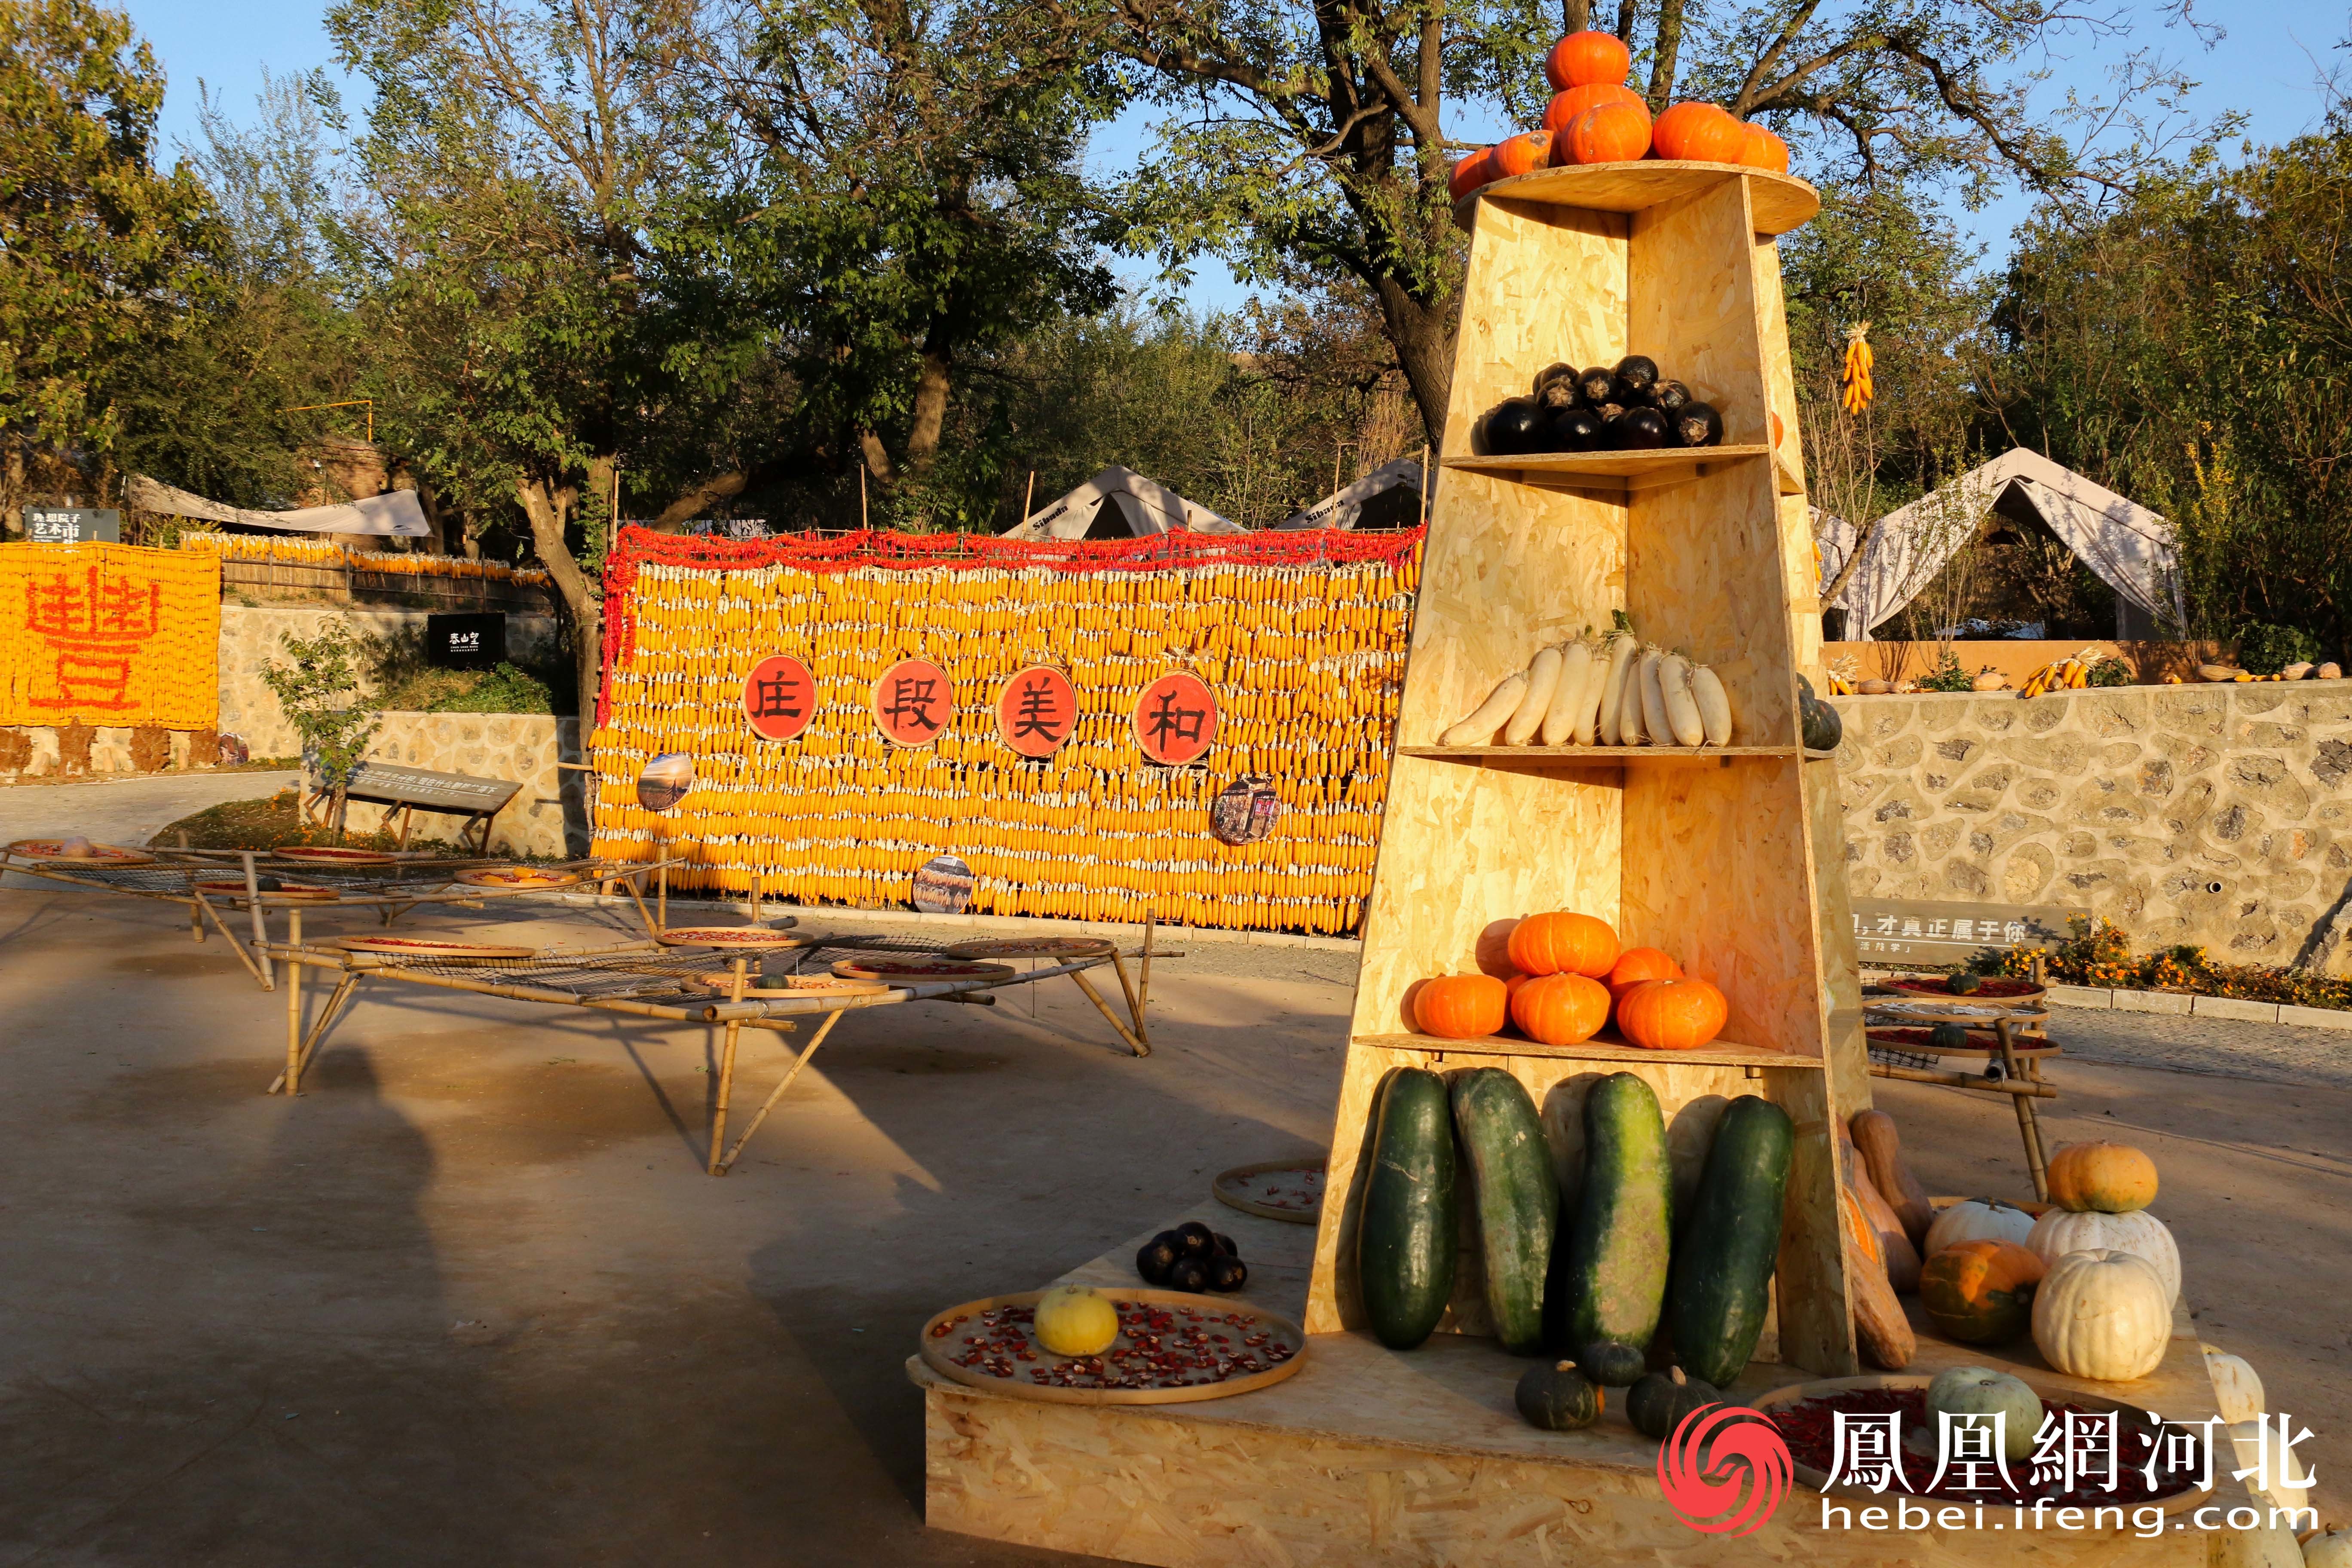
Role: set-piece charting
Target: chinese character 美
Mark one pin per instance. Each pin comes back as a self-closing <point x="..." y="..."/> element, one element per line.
<point x="1967" y="1442"/>
<point x="1866" y="1450"/>
<point x="1035" y="715"/>
<point x="777" y="696"/>
<point x="910" y="702"/>
<point x="2074" y="1447"/>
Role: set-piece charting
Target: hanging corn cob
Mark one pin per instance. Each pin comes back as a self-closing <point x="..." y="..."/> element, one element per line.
<point x="1855" y="377"/>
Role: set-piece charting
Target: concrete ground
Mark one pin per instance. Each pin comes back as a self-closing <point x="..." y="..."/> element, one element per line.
<point x="471" y="1301"/>
<point x="121" y="811"/>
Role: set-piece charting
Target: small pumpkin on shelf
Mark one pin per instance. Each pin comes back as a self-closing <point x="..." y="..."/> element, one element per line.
<point x="1556" y="1396"/>
<point x="2107" y="1178"/>
<point x="1662" y="1401"/>
<point x="1564" y="942"/>
<point x="1980" y="1292"/>
<point x="1560" y="1009"/>
<point x="1672" y="1015"/>
<point x="1699" y="133"/>
<point x="2138" y="1232"/>
<point x="1978" y="1219"/>
<point x="1570" y="102"/>
<point x="1461" y="1006"/>
<point x="1588" y="58"/>
<point x="2103" y="1315"/>
<point x="1607" y="133"/>
<point x="1638" y="965"/>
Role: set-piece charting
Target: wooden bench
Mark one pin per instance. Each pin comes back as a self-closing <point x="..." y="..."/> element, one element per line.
<point x="413" y="790"/>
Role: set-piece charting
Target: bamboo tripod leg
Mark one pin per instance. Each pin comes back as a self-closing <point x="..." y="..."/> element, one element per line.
<point x="1134" y="1007"/>
<point x="643" y="913"/>
<point x="777" y="1093"/>
<point x="204" y="906"/>
<point x="727" y="1071"/>
<point x="260" y="926"/>
<point x="1143" y="981"/>
<point x="1095" y="997"/>
<point x="317" y="1035"/>
<point x="293" y="1006"/>
<point x="2029" y="1129"/>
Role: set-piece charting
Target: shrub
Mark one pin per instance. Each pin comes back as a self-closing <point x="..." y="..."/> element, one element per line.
<point x="2100" y="954"/>
<point x="2266" y="650"/>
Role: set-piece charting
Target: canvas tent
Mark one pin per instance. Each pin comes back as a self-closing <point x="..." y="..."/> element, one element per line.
<point x="1388" y="497"/>
<point x="2129" y="547"/>
<point x="394" y="513"/>
<point x="1119" y="503"/>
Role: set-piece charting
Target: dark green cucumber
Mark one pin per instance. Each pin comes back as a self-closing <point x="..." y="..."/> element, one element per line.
<point x="1723" y="1267"/>
<point x="1608" y="1282"/>
<point x="1405" y="1236"/>
<point x="1517" y="1194"/>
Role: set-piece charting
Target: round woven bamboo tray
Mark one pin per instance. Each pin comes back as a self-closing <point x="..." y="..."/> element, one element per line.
<point x="1245" y="1187"/>
<point x="747" y="939"/>
<point x="1981" y="1042"/>
<point x="2133" y="1418"/>
<point x="1031" y="947"/>
<point x="1997" y="991"/>
<point x="517" y="877"/>
<point x="439" y="952"/>
<point x="902" y="971"/>
<point x="938" y="1343"/>
<point x="721" y="981"/>
<point x="333" y="855"/>
<point x="48" y="851"/>
<point x="285" y="892"/>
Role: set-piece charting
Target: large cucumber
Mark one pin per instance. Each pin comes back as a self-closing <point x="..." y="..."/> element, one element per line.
<point x="1405" y="1236"/>
<point x="1517" y="1197"/>
<point x="1608" y="1283"/>
<point x="1723" y="1266"/>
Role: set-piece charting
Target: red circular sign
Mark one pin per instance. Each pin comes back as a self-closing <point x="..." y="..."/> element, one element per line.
<point x="778" y="697"/>
<point x="1036" y="711"/>
<point x="1176" y="720"/>
<point x="913" y="702"/>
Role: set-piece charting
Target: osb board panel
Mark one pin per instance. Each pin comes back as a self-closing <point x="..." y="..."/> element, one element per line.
<point x="1691" y="304"/>
<point x="1544" y="284"/>
<point x="1772" y="332"/>
<point x="1780" y="201"/>
<point x="1847" y="1049"/>
<point x="1703" y="575"/>
<point x="1816" y="1328"/>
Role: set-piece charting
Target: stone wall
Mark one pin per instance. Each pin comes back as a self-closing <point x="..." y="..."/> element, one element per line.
<point x="249" y="639"/>
<point x="547" y="817"/>
<point x="2214" y="815"/>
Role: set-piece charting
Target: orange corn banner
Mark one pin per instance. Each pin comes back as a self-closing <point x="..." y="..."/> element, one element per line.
<point x="1298" y="640"/>
<point x="109" y="634"/>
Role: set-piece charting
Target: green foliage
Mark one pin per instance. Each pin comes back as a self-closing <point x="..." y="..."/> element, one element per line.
<point x="99" y="252"/>
<point x="2100" y="954"/>
<point x="2110" y="672"/>
<point x="318" y="694"/>
<point x="2266" y="650"/>
<point x="1948" y="676"/>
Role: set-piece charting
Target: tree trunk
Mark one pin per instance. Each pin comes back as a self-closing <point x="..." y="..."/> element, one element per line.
<point x="931" y="403"/>
<point x="1425" y="350"/>
<point x="549" y="508"/>
<point x="877" y="456"/>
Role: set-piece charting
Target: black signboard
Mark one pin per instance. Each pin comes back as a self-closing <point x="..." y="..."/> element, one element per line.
<point x="72" y="525"/>
<point x="465" y="642"/>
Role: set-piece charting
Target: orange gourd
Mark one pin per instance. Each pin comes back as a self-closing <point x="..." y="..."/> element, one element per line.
<point x="1520" y="154"/>
<point x="1636" y="965"/>
<point x="1470" y="174"/>
<point x="1566" y="105"/>
<point x="1759" y="149"/>
<point x="1564" y="941"/>
<point x="1698" y="134"/>
<point x="1672" y="1015"/>
<point x="1980" y="1292"/>
<point x="1612" y="134"/>
<point x="1586" y="58"/>
<point x="1460" y="1007"/>
<point x="2102" y="1177"/>
<point x="1559" y="1009"/>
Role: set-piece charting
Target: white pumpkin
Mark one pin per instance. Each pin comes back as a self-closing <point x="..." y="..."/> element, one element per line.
<point x="2285" y="1490"/>
<point x="1980" y="1391"/>
<point x="2237" y="1391"/>
<point x="2103" y="1315"/>
<point x="2328" y="1549"/>
<point x="2140" y="1233"/>
<point x="1977" y="1219"/>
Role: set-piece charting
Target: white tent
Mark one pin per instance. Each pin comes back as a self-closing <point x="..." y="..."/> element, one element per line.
<point x="1119" y="503"/>
<point x="394" y="513"/>
<point x="2129" y="546"/>
<point x="1388" y="497"/>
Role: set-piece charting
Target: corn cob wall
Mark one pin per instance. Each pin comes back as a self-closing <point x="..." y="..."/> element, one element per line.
<point x="1302" y="637"/>
<point x="326" y="553"/>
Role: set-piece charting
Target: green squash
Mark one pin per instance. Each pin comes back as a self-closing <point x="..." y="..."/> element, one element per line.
<point x="1964" y="983"/>
<point x="1405" y="1241"/>
<point x="1664" y="1400"/>
<point x="1980" y="1391"/>
<point x="1948" y="1037"/>
<point x="1556" y="1396"/>
<point x="1515" y="1195"/>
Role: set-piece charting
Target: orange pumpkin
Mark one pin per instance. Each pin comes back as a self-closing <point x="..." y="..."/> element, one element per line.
<point x="1548" y="944"/>
<point x="1520" y="154"/>
<point x="1613" y="134"/>
<point x="1560" y="1009"/>
<point x="1461" y="1006"/>
<point x="1672" y="1015"/>
<point x="1470" y="174"/>
<point x="2102" y="1178"/>
<point x="1759" y="149"/>
<point x="1980" y="1292"/>
<point x="1588" y="58"/>
<point x="1566" y="106"/>
<point x="1636" y="965"/>
<point x="1698" y="134"/>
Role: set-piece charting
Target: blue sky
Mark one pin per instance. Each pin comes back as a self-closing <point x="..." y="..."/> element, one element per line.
<point x="2267" y="66"/>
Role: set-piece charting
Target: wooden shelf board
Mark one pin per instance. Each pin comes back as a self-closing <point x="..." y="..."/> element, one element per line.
<point x="1605" y="1047"/>
<point x="1596" y="756"/>
<point x="1646" y="469"/>
<point x="1777" y="203"/>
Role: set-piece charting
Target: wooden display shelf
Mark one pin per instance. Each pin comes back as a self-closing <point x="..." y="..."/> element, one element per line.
<point x="1601" y="756"/>
<point x="1779" y="202"/>
<point x="1605" y="1047"/>
<point x="1631" y="471"/>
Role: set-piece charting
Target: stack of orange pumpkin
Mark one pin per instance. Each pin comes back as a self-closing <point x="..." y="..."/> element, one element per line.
<point x="1594" y="117"/>
<point x="1570" y="976"/>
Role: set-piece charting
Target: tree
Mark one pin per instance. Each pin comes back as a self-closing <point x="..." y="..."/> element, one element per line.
<point x="99" y="253"/>
<point x="1312" y="135"/>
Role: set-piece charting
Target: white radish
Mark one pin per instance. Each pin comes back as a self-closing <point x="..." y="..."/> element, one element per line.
<point x="1543" y="679"/>
<point x="1568" y="697"/>
<point x="1596" y="684"/>
<point x="1622" y="650"/>
<point x="1714" y="704"/>
<point x="1653" y="698"/>
<point x="1490" y="716"/>
<point x="1681" y="708"/>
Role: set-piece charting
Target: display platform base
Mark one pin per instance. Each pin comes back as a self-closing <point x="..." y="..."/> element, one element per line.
<point x="1372" y="1458"/>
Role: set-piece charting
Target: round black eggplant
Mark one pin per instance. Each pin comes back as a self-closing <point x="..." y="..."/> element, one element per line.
<point x="1512" y="426"/>
<point x="1190" y="1273"/>
<point x="1556" y="370"/>
<point x="1670" y="397"/>
<point x="1194" y="1239"/>
<point x="1226" y="1245"/>
<point x="1638" y="429"/>
<point x="1154" y="1258"/>
<point x="1227" y="1273"/>
<point x="1594" y="385"/>
<point x="1556" y="397"/>
<point x="1638" y="373"/>
<point x="267" y="885"/>
<point x="1698" y="425"/>
<point x="1573" y="430"/>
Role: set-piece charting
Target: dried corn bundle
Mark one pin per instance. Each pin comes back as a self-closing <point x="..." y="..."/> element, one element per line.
<point x="1302" y="639"/>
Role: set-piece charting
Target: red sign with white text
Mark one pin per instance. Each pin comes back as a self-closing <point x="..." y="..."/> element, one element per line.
<point x="1036" y="711"/>
<point x="1176" y="720"/>
<point x="913" y="702"/>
